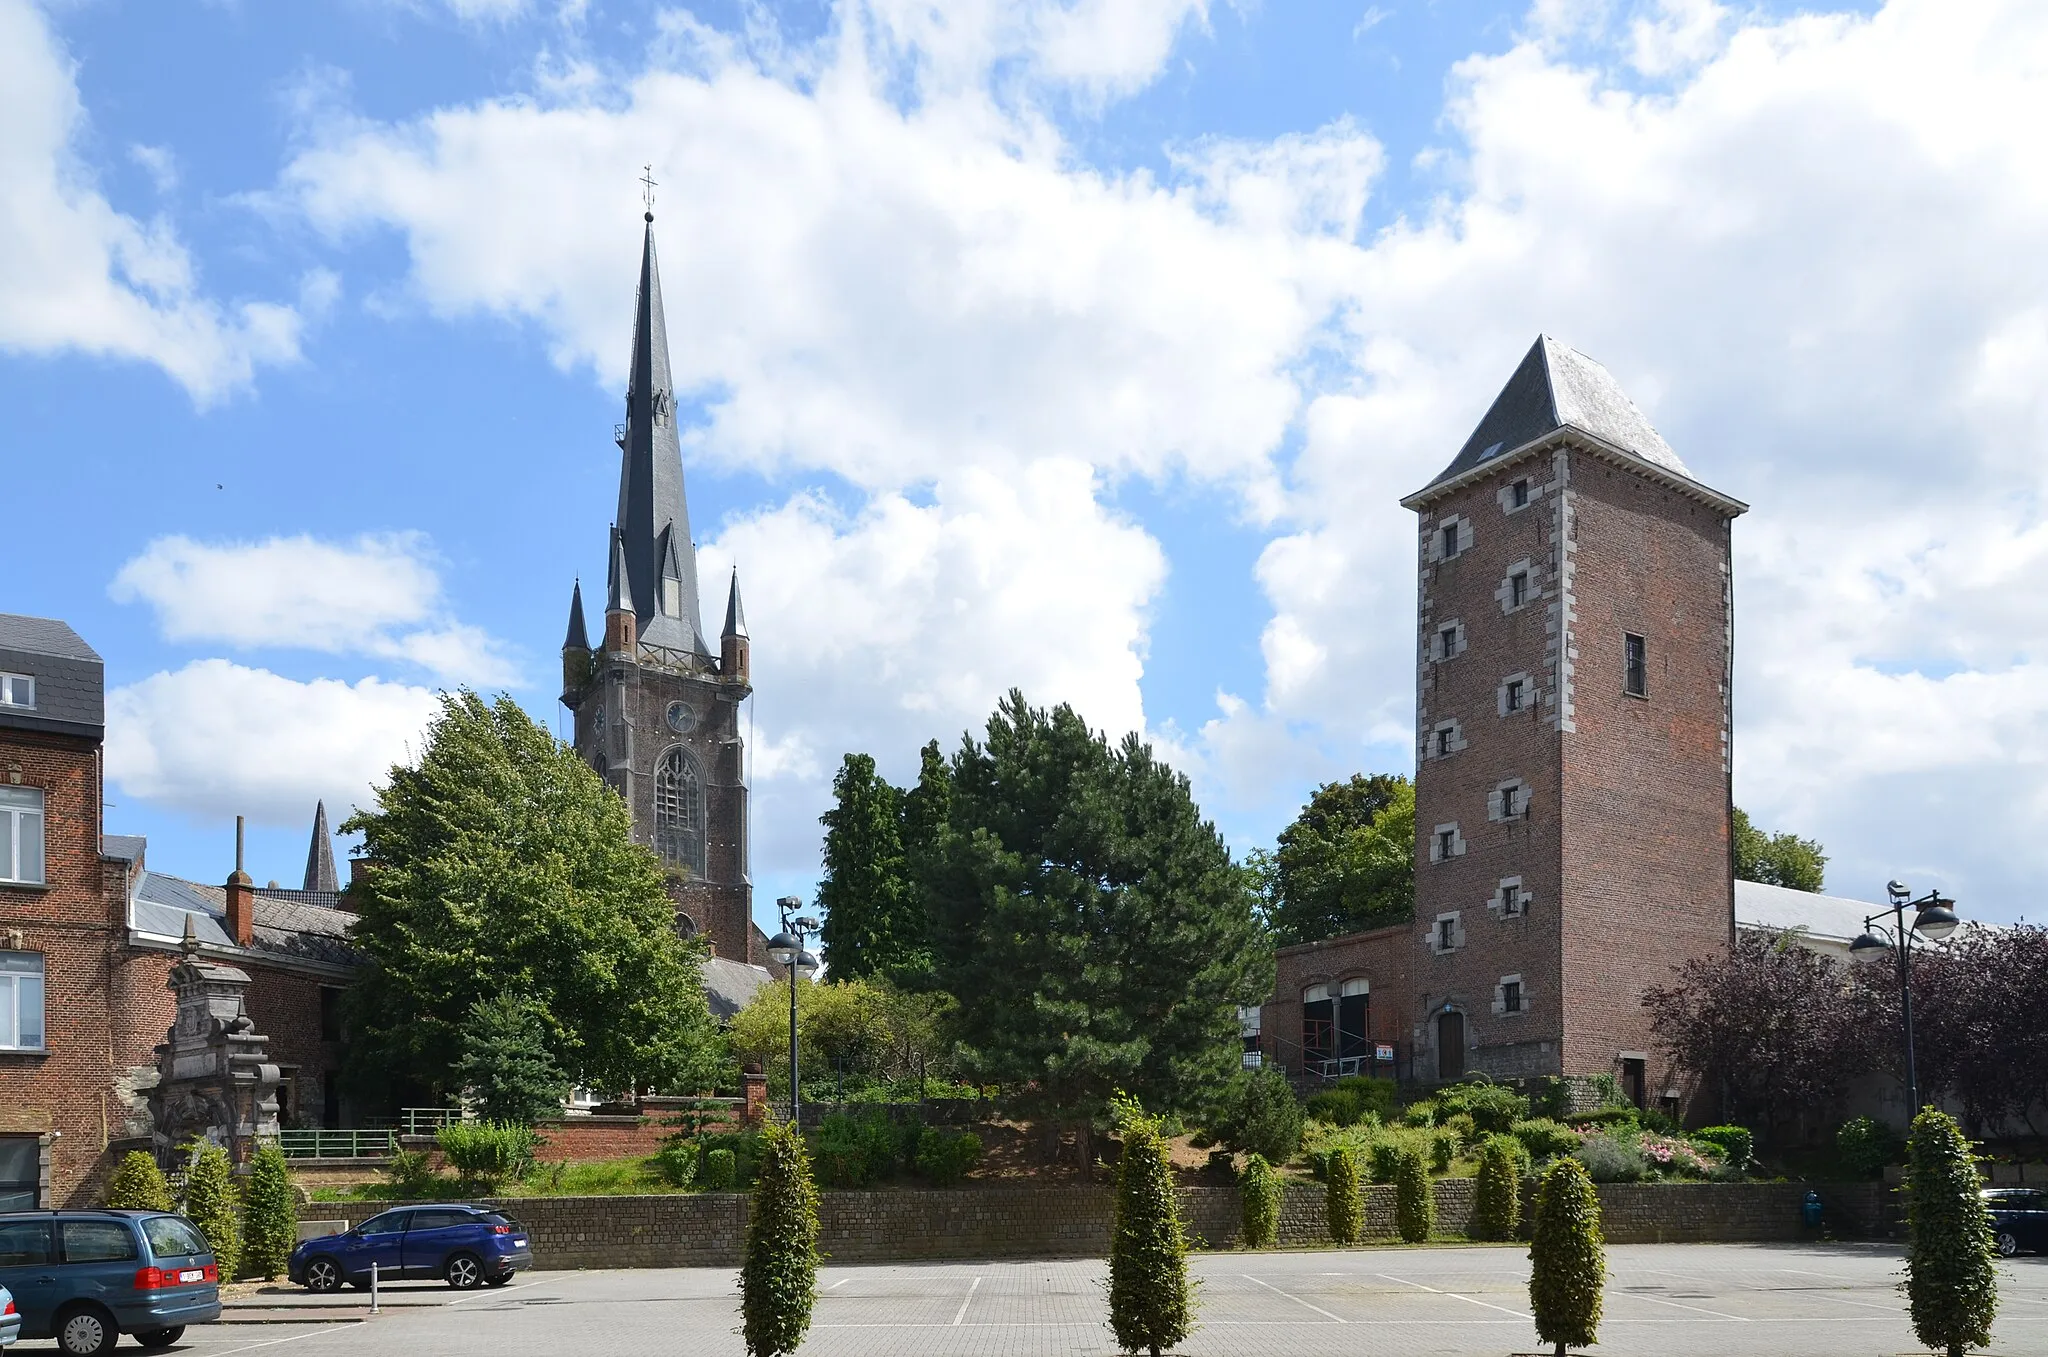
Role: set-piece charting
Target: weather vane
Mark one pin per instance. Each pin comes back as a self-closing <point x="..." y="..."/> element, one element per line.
<point x="647" y="189"/>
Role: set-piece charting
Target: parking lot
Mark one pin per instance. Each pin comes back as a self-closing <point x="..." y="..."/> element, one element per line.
<point x="1669" y="1300"/>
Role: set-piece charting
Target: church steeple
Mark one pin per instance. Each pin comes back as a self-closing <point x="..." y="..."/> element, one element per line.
<point x="320" y="874"/>
<point x="660" y="582"/>
<point x="733" y="660"/>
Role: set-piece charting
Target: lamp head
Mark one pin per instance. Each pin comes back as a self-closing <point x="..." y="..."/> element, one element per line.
<point x="808" y="964"/>
<point x="1869" y="947"/>
<point x="783" y="949"/>
<point x="1898" y="890"/>
<point x="1936" y="921"/>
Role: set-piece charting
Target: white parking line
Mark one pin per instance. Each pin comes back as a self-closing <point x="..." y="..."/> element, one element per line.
<point x="841" y="1282"/>
<point x="499" y="1291"/>
<point x="1338" y="1319"/>
<point x="273" y="1342"/>
<point x="1518" y="1314"/>
<point x="964" y="1300"/>
<point x="1678" y="1305"/>
<point x="1861" y="1304"/>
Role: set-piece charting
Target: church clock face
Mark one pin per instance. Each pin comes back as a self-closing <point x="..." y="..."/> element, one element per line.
<point x="682" y="719"/>
<point x="597" y="720"/>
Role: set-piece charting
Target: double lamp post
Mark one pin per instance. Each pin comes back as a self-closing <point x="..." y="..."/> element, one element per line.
<point x="1933" y="920"/>
<point x="786" y="949"/>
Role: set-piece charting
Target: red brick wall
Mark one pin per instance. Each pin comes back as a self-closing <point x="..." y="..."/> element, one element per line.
<point x="1380" y="958"/>
<point x="285" y="1006"/>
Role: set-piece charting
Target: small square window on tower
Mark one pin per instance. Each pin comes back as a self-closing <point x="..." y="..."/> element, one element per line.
<point x="1513" y="696"/>
<point x="1450" y="540"/>
<point x="1518" y="588"/>
<point x="1446" y="843"/>
<point x="1511" y="996"/>
<point x="1510" y="900"/>
<point x="1518" y="493"/>
<point x="1443" y="742"/>
<point x="1510" y="802"/>
<point x="1636" y="665"/>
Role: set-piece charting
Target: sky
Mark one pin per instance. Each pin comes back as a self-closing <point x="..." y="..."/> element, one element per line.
<point x="1080" y="346"/>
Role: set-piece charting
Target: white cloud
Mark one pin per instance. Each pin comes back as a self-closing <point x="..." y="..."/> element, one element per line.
<point x="216" y="738"/>
<point x="379" y="595"/>
<point x="1373" y="17"/>
<point x="160" y="163"/>
<point x="75" y="275"/>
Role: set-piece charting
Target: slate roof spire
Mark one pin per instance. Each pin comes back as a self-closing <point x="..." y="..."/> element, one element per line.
<point x="659" y="583"/>
<point x="578" y="637"/>
<point x="320" y="874"/>
<point x="735" y="616"/>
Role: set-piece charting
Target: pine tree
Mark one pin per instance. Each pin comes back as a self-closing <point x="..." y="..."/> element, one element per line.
<point x="1568" y="1260"/>
<point x="506" y="1066"/>
<point x="1151" y="1301"/>
<point x="874" y="921"/>
<point x="212" y="1204"/>
<point x="779" y="1281"/>
<point x="1414" y="1198"/>
<point x="1262" y="1192"/>
<point x="1951" y="1281"/>
<point x="1344" y="1200"/>
<point x="270" y="1217"/>
<point x="1496" y="1196"/>
<point x="138" y="1185"/>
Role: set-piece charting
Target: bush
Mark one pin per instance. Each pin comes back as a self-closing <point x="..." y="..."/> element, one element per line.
<point x="1461" y="1125"/>
<point x="1444" y="1145"/>
<point x="1257" y="1114"/>
<point x="1865" y="1145"/>
<point x="853" y="1152"/>
<point x="720" y="1172"/>
<point x="745" y="1148"/>
<point x="1568" y="1259"/>
<point x="270" y="1219"/>
<point x="1496" y="1197"/>
<point x="411" y="1173"/>
<point x="1419" y="1114"/>
<point x="779" y="1280"/>
<point x="1344" y="1204"/>
<point x="1151" y="1304"/>
<point x="1492" y="1107"/>
<point x="1734" y="1143"/>
<point x="1951" y="1280"/>
<point x="1609" y="1159"/>
<point x="1386" y="1151"/>
<point x="211" y="1204"/>
<point x="1607" y="1116"/>
<point x="1376" y="1097"/>
<point x="1414" y="1200"/>
<point x="1337" y="1106"/>
<point x="1553" y="1097"/>
<point x="138" y="1185"/>
<point x="485" y="1154"/>
<point x="1262" y="1192"/>
<point x="946" y="1159"/>
<point x="676" y="1163"/>
<point x="1544" y="1138"/>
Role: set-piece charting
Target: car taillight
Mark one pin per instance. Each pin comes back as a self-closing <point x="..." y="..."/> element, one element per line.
<point x="152" y="1279"/>
<point x="7" y="1309"/>
<point x="212" y="1272"/>
<point x="501" y="1229"/>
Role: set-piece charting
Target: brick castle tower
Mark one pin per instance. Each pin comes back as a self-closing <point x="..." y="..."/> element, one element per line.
<point x="656" y="709"/>
<point x="1574" y="641"/>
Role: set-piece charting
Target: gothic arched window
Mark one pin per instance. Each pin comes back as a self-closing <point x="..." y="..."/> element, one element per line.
<point x="679" y="811"/>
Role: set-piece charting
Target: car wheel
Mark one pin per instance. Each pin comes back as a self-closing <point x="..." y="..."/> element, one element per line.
<point x="498" y="1280"/>
<point x="160" y="1338"/>
<point x="2008" y="1243"/>
<point x="323" y="1275"/>
<point x="465" y="1272"/>
<point x="86" y="1332"/>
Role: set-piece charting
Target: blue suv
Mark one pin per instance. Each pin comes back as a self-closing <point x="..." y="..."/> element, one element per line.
<point x="85" y="1278"/>
<point x="467" y="1246"/>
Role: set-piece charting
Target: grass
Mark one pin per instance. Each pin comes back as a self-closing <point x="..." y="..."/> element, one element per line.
<point x="632" y="1176"/>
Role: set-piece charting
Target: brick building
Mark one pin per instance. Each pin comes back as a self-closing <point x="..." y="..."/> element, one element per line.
<point x="1573" y="661"/>
<point x="88" y="937"/>
<point x="656" y="709"/>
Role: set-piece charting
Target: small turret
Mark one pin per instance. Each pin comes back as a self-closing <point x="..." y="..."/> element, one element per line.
<point x="621" y="624"/>
<point x="320" y="875"/>
<point x="732" y="641"/>
<point x="575" y="647"/>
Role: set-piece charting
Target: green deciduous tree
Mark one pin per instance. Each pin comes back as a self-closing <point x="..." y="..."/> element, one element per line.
<point x="1343" y="1198"/>
<point x="779" y="1280"/>
<point x="1496" y="1196"/>
<point x="506" y="1066"/>
<point x="505" y="865"/>
<point x="270" y="1218"/>
<point x="1781" y="859"/>
<point x="1951" y="1282"/>
<point x="1568" y="1258"/>
<point x="874" y="920"/>
<point x="138" y="1185"/>
<point x="1151" y="1300"/>
<point x="1089" y="921"/>
<point x="1347" y="863"/>
<point x="1262" y="1191"/>
<point x="212" y="1204"/>
<point x="1414" y="1197"/>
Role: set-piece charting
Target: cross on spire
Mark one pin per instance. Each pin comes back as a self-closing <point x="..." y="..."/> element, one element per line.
<point x="647" y="189"/>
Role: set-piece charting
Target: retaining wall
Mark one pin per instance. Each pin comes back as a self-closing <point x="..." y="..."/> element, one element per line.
<point x="708" y="1229"/>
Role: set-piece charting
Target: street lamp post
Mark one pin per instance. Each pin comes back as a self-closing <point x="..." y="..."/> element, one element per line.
<point x="1933" y="920"/>
<point x="786" y="949"/>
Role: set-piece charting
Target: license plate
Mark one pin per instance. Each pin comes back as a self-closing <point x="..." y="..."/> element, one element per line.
<point x="192" y="1274"/>
<point x="520" y="1241"/>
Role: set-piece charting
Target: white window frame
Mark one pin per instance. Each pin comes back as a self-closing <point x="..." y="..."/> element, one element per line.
<point x="23" y="974"/>
<point x="18" y="691"/>
<point x="19" y="808"/>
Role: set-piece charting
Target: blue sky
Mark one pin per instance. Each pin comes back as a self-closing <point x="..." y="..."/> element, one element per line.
<point x="1084" y="347"/>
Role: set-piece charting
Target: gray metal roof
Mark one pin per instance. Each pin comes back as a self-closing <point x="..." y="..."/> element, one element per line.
<point x="320" y="854"/>
<point x="70" y="680"/>
<point x="284" y="928"/>
<point x="1557" y="387"/>
<point x="126" y="847"/>
<point x="43" y="636"/>
<point x="654" y="515"/>
<point x="735" y="615"/>
<point x="1822" y="918"/>
<point x="578" y="637"/>
<point x="729" y="984"/>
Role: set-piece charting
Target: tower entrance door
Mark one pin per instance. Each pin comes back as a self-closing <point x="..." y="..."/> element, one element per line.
<point x="1450" y="1046"/>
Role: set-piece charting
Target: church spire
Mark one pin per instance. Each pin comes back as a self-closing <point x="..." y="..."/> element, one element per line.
<point x="660" y="582"/>
<point x="320" y="875"/>
<point x="579" y="634"/>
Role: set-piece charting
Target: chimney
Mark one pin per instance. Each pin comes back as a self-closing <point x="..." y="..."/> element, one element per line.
<point x="241" y="893"/>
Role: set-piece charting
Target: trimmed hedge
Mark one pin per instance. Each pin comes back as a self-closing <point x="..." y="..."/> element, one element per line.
<point x="1261" y="1189"/>
<point x="1414" y="1200"/>
<point x="1343" y="1202"/>
<point x="138" y="1185"/>
<point x="1951" y="1276"/>
<point x="1151" y="1300"/>
<point x="779" y="1280"/>
<point x="1496" y="1196"/>
<point x="1568" y="1259"/>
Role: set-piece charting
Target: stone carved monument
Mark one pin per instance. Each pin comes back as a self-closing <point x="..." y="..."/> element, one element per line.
<point x="214" y="1079"/>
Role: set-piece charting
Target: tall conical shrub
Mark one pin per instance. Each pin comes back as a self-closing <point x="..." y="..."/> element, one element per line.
<point x="212" y="1204"/>
<point x="1496" y="1196"/>
<point x="1151" y="1301"/>
<point x="1343" y="1199"/>
<point x="1568" y="1261"/>
<point x="138" y="1185"/>
<point x="1261" y="1189"/>
<point x="1414" y="1198"/>
<point x="270" y="1219"/>
<point x="1951" y="1283"/>
<point x="779" y="1280"/>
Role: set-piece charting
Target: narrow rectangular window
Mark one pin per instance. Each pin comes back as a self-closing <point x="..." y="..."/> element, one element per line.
<point x="1518" y="589"/>
<point x="1443" y="742"/>
<point x="1638" y="665"/>
<point x="1449" y="638"/>
<point x="21" y="834"/>
<point x="330" y="1013"/>
<point x="1446" y="933"/>
<point x="1520" y="494"/>
<point x="1511" y="997"/>
<point x="17" y="690"/>
<point x="1514" y="694"/>
<point x="1450" y="540"/>
<point x="1510" y="900"/>
<point x="1509" y="797"/>
<point x="21" y="1001"/>
<point x="1444" y="839"/>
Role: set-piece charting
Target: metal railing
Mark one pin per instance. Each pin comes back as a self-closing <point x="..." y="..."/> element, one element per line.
<point x="357" y="1144"/>
<point x="415" y="1121"/>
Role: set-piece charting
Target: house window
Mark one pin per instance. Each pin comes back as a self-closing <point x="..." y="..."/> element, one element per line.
<point x="1518" y="588"/>
<point x="1446" y="839"/>
<point x="1637" y="658"/>
<point x="1514" y="695"/>
<point x="23" y="1243"/>
<point x="21" y="1001"/>
<point x="1318" y="1024"/>
<point x="330" y="1013"/>
<point x="1354" y="1019"/>
<point x="17" y="690"/>
<point x="1446" y="934"/>
<point x="1450" y="540"/>
<point x="21" y="834"/>
<point x="1510" y="802"/>
<point x="1518" y="494"/>
<point x="1510" y="900"/>
<point x="1448" y="643"/>
<point x="1511" y="996"/>
<point x="679" y="812"/>
<point x="1443" y="742"/>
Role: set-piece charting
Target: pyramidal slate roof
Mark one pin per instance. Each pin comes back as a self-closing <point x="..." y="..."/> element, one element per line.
<point x="735" y="615"/>
<point x="1557" y="387"/>
<point x="320" y="874"/>
<point x="578" y="637"/>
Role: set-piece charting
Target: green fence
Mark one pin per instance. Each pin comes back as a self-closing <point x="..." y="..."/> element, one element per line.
<point x="337" y="1144"/>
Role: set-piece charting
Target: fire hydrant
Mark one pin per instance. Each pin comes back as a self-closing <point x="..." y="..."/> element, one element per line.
<point x="1809" y="1210"/>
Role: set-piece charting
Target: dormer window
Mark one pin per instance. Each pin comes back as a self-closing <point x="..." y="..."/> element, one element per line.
<point x="17" y="690"/>
<point x="671" y="596"/>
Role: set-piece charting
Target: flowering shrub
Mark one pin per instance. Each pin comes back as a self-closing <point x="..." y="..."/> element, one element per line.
<point x="1664" y="1154"/>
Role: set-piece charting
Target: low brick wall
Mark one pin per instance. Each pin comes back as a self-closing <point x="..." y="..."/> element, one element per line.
<point x="895" y="1225"/>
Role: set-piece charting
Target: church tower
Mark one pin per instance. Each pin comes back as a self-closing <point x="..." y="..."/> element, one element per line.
<point x="656" y="708"/>
<point x="1574" y="644"/>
